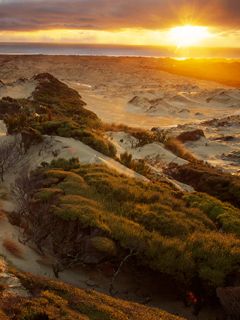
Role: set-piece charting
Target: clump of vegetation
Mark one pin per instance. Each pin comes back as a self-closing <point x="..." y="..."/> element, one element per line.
<point x="143" y="136"/>
<point x="56" y="109"/>
<point x="178" y="148"/>
<point x="193" y="135"/>
<point x="205" y="178"/>
<point x="52" y="92"/>
<point x="104" y="245"/>
<point x="167" y="231"/>
<point x="223" y="214"/>
<point x="64" y="164"/>
<point x="16" y="122"/>
<point x="9" y="106"/>
<point x="29" y="137"/>
<point x="62" y="100"/>
<point x="56" y="300"/>
<point x="138" y="165"/>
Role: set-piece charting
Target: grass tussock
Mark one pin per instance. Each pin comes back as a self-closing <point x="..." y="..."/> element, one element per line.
<point x="178" y="148"/>
<point x="13" y="247"/>
<point x="138" y="165"/>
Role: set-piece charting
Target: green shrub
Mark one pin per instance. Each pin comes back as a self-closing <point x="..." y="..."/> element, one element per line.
<point x="204" y="178"/>
<point x="104" y="245"/>
<point x="177" y="236"/>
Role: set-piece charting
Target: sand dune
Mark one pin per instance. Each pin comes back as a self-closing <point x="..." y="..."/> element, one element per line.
<point x="108" y="84"/>
<point x="18" y="90"/>
<point x="188" y="105"/>
<point x="221" y="143"/>
<point x="60" y="147"/>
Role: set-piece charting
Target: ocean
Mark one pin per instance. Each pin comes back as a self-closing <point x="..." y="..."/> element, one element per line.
<point x="115" y="50"/>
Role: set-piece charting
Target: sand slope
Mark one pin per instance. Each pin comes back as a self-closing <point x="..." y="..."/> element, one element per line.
<point x="221" y="144"/>
<point x="59" y="147"/>
<point x="21" y="89"/>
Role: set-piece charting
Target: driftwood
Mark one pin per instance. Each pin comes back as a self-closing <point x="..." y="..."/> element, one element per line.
<point x="10" y="153"/>
<point x="230" y="300"/>
<point x="111" y="288"/>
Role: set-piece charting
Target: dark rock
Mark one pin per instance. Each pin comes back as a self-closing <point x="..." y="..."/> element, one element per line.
<point x="191" y="135"/>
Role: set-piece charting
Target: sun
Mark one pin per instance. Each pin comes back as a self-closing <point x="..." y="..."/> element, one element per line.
<point x="187" y="36"/>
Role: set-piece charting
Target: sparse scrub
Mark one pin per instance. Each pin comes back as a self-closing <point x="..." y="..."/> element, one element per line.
<point x="143" y="136"/>
<point x="10" y="152"/>
<point x="138" y="165"/>
<point x="64" y="164"/>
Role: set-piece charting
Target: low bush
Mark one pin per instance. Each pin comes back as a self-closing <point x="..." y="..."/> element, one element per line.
<point x="175" y="234"/>
<point x="203" y="178"/>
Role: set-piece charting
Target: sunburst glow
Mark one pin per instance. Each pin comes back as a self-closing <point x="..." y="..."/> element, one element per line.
<point x="186" y="36"/>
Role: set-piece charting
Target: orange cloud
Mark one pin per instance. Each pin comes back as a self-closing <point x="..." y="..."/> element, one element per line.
<point x="108" y="14"/>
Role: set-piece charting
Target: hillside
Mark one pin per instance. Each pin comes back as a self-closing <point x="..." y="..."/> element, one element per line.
<point x="92" y="197"/>
<point x="44" y="299"/>
<point x="95" y="209"/>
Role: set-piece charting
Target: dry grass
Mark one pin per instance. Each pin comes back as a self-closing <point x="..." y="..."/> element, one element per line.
<point x="178" y="148"/>
<point x="116" y="127"/>
<point x="13" y="247"/>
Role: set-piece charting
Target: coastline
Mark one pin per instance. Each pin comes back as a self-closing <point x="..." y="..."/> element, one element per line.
<point x="71" y="49"/>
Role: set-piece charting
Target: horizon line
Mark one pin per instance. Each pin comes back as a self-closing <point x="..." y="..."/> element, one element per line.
<point x="116" y="45"/>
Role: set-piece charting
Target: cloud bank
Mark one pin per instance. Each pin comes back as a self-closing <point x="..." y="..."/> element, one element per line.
<point x="26" y="15"/>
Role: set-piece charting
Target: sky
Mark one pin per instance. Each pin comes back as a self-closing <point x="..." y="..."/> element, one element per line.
<point x="136" y="22"/>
